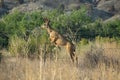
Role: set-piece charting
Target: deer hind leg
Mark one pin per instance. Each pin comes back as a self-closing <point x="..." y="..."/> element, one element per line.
<point x="71" y="51"/>
<point x="73" y="55"/>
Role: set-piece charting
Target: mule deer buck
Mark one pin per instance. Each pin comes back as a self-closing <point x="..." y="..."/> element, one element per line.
<point x="59" y="40"/>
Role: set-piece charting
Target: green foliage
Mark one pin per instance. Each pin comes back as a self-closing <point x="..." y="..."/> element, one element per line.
<point x="3" y="36"/>
<point x="19" y="24"/>
<point x="98" y="28"/>
<point x="83" y="41"/>
<point x="112" y="29"/>
<point x="76" y="25"/>
<point x="18" y="46"/>
<point x="71" y="24"/>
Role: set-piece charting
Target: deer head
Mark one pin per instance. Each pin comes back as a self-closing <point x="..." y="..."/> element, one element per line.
<point x="46" y="23"/>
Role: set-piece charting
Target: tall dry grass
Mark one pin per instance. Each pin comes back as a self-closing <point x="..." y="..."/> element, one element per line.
<point x="97" y="61"/>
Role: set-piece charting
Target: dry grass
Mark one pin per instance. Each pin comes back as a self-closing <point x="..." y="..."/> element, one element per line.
<point x="97" y="62"/>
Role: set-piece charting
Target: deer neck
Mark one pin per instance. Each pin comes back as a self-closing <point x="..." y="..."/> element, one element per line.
<point x="49" y="30"/>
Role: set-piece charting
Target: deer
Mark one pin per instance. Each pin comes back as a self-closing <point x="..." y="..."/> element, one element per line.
<point x="58" y="40"/>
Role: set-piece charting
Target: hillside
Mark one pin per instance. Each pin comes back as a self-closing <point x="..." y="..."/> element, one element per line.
<point x="104" y="9"/>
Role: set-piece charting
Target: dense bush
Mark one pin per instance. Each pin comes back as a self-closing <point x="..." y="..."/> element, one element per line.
<point x="23" y="24"/>
<point x="74" y="25"/>
<point x="71" y="24"/>
<point x="99" y="28"/>
<point x="20" y="24"/>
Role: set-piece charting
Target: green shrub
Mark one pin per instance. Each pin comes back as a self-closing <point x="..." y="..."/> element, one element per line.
<point x="71" y="24"/>
<point x="83" y="41"/>
<point x="18" y="46"/>
<point x="19" y="24"/>
<point x="75" y="25"/>
<point x="112" y="29"/>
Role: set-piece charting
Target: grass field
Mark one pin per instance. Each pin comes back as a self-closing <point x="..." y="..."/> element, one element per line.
<point x="96" y="62"/>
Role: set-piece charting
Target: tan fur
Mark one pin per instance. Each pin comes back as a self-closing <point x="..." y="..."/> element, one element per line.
<point x="59" y="40"/>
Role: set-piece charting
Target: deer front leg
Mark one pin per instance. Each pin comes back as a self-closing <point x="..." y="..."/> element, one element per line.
<point x="52" y="39"/>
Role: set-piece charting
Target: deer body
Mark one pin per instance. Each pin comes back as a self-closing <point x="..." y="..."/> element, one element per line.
<point x="59" y="40"/>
